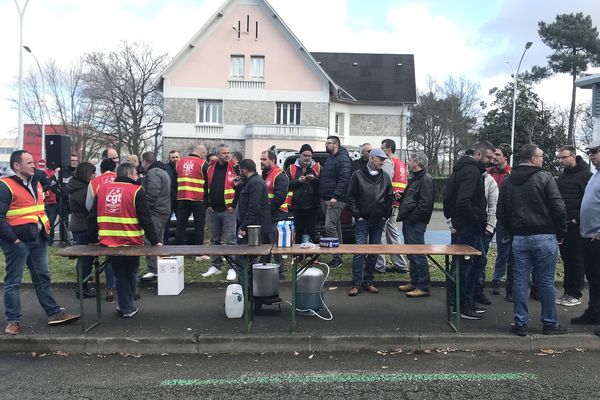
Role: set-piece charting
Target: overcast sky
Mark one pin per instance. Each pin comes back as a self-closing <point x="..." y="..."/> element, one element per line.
<point x="470" y="38"/>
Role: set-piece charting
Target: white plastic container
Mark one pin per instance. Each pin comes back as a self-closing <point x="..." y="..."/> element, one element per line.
<point x="234" y="301"/>
<point x="170" y="275"/>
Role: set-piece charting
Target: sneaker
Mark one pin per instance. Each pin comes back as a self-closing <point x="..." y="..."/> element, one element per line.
<point x="554" y="330"/>
<point x="63" y="317"/>
<point x="482" y="299"/>
<point x="130" y="314"/>
<point x="519" y="330"/>
<point x="202" y="258"/>
<point x="149" y="276"/>
<point x="479" y="310"/>
<point x="13" y="328"/>
<point x="585" y="319"/>
<point x="496" y="288"/>
<point x="570" y="301"/>
<point x="231" y="275"/>
<point x="212" y="271"/>
<point x="87" y="293"/>
<point x="469" y="313"/>
<point x="560" y="300"/>
<point x="381" y="271"/>
<point x="335" y="263"/>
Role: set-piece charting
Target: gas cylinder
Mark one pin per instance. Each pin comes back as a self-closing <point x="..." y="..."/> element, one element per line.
<point x="309" y="289"/>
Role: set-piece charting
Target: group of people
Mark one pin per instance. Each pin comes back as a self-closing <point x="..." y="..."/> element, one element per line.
<point x="534" y="216"/>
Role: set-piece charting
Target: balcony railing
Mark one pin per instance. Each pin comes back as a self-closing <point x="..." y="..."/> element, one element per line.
<point x="209" y="130"/>
<point x="285" y="131"/>
<point x="248" y="85"/>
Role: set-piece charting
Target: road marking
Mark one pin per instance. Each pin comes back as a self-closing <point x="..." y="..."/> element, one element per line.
<point x="347" y="378"/>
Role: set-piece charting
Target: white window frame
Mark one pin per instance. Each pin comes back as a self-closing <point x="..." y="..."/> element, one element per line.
<point x="209" y="112"/>
<point x="257" y="68"/>
<point x="288" y="113"/>
<point x="236" y="67"/>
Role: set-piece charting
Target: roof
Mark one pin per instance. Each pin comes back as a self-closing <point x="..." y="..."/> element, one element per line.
<point x="588" y="81"/>
<point x="380" y="78"/>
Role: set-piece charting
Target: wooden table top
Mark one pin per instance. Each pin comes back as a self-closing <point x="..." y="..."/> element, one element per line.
<point x="426" y="249"/>
<point x="166" y="251"/>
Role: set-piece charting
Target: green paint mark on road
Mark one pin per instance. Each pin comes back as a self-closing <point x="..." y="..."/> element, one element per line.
<point x="347" y="378"/>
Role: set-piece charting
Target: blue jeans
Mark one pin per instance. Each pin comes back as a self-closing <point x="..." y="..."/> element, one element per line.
<point x="505" y="261"/>
<point x="125" y="269"/>
<point x="222" y="225"/>
<point x="87" y="262"/>
<point x="34" y="254"/>
<point x="366" y="232"/>
<point x="414" y="233"/>
<point x="537" y="254"/>
<point x="470" y="268"/>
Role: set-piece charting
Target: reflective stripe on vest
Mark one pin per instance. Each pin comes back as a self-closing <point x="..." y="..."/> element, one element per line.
<point x="118" y="224"/>
<point x="270" y="184"/>
<point x="229" y="192"/>
<point x="190" y="179"/>
<point x="24" y="208"/>
<point x="400" y="178"/>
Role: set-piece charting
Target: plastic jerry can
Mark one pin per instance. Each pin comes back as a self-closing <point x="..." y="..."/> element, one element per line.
<point x="234" y="301"/>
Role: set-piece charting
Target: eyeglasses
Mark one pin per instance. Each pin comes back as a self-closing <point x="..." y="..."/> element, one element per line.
<point x="563" y="157"/>
<point x="326" y="143"/>
<point x="592" y="151"/>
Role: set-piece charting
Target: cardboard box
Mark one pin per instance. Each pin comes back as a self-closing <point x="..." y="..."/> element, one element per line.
<point x="285" y="234"/>
<point x="170" y="275"/>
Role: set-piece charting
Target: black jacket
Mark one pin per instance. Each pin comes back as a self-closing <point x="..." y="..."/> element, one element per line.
<point x="464" y="200"/>
<point x="306" y="194"/>
<point x="530" y="203"/>
<point x="571" y="185"/>
<point x="77" y="194"/>
<point x="416" y="204"/>
<point x="26" y="232"/>
<point x="253" y="205"/>
<point x="170" y="168"/>
<point x="141" y="209"/>
<point x="156" y="183"/>
<point x="358" y="164"/>
<point x="335" y="176"/>
<point x="370" y="197"/>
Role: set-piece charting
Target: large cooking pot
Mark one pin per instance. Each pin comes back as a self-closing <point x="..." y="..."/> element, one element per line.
<point x="265" y="280"/>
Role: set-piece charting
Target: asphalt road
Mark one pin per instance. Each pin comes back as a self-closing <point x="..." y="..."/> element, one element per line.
<point x="377" y="375"/>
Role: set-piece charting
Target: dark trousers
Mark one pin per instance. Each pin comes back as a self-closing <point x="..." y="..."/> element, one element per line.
<point x="185" y="208"/>
<point x="571" y="252"/>
<point x="51" y="213"/>
<point x="486" y="239"/>
<point x="470" y="268"/>
<point x="591" y="259"/>
<point x="305" y="221"/>
<point x="125" y="269"/>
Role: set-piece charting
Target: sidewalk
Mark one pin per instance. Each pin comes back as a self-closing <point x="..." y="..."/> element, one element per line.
<point x="195" y="322"/>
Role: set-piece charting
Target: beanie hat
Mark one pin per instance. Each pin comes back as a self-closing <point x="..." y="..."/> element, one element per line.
<point x="305" y="147"/>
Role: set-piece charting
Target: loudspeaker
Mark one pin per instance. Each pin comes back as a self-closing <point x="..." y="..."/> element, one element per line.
<point x="58" y="151"/>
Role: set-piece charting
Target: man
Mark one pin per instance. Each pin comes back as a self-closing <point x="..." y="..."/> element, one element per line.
<point x="108" y="154"/>
<point x="47" y="178"/>
<point x="24" y="229"/>
<point x="63" y="177"/>
<point x="157" y="187"/>
<point x="359" y="163"/>
<point x="466" y="207"/>
<point x="504" y="257"/>
<point x="590" y="232"/>
<point x="416" y="207"/>
<point x="531" y="208"/>
<point x="571" y="184"/>
<point x="107" y="167"/>
<point x="121" y="206"/>
<point x="304" y="186"/>
<point x="335" y="176"/>
<point x="396" y="169"/>
<point x="221" y="175"/>
<point x="135" y="161"/>
<point x="191" y="186"/>
<point x="171" y="170"/>
<point x="370" y="199"/>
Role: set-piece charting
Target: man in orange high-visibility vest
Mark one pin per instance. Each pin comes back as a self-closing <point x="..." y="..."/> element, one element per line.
<point x="121" y="217"/>
<point x="24" y="229"/>
<point x="396" y="169"/>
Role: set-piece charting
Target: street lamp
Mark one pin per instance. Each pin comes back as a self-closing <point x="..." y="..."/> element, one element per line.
<point x="515" y="81"/>
<point x="42" y="107"/>
<point x="20" y="128"/>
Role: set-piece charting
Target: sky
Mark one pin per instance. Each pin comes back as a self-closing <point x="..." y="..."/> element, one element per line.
<point x="459" y="38"/>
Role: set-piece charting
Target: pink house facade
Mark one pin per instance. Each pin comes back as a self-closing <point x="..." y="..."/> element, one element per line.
<point x="245" y="79"/>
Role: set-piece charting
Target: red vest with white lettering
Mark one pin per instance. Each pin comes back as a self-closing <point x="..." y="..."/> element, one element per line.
<point x="24" y="208"/>
<point x="190" y="179"/>
<point x="270" y="184"/>
<point x="106" y="177"/>
<point x="230" y="175"/>
<point x="400" y="178"/>
<point x="118" y="224"/>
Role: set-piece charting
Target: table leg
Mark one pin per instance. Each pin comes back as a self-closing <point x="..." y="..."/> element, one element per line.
<point x="450" y="279"/>
<point x="456" y="325"/>
<point x="294" y="276"/>
<point x="80" y="288"/>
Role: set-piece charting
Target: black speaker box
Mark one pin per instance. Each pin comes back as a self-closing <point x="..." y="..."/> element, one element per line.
<point x="58" y="151"/>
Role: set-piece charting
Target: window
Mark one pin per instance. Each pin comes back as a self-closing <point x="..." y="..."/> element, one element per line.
<point x="288" y="114"/>
<point x="210" y="112"/>
<point x="257" y="70"/>
<point x="237" y="67"/>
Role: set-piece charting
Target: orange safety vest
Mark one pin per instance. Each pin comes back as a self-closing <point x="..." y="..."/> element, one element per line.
<point x="118" y="224"/>
<point x="190" y="179"/>
<point x="270" y="184"/>
<point x="293" y="168"/>
<point x="229" y="193"/>
<point x="24" y="208"/>
<point x="400" y="178"/>
<point x="106" y="177"/>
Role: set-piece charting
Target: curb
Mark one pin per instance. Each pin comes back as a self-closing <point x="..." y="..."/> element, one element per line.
<point x="203" y="344"/>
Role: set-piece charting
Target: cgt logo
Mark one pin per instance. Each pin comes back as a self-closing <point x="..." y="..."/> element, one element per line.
<point x="113" y="200"/>
<point x="188" y="167"/>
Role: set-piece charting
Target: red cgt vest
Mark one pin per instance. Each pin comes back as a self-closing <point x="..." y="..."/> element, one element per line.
<point x="400" y="178"/>
<point x="24" y="209"/>
<point x="270" y="184"/>
<point x="106" y="177"/>
<point x="229" y="193"/>
<point x="190" y="179"/>
<point x="118" y="224"/>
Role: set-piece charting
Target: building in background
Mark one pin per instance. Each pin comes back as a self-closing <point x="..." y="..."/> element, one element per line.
<point x="592" y="82"/>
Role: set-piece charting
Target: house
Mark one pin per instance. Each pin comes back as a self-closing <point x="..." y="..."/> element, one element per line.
<point x="246" y="80"/>
<point x="592" y="82"/>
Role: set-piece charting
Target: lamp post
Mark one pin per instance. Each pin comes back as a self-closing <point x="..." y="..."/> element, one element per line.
<point x="42" y="107"/>
<point x="20" y="128"/>
<point x="514" y="110"/>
